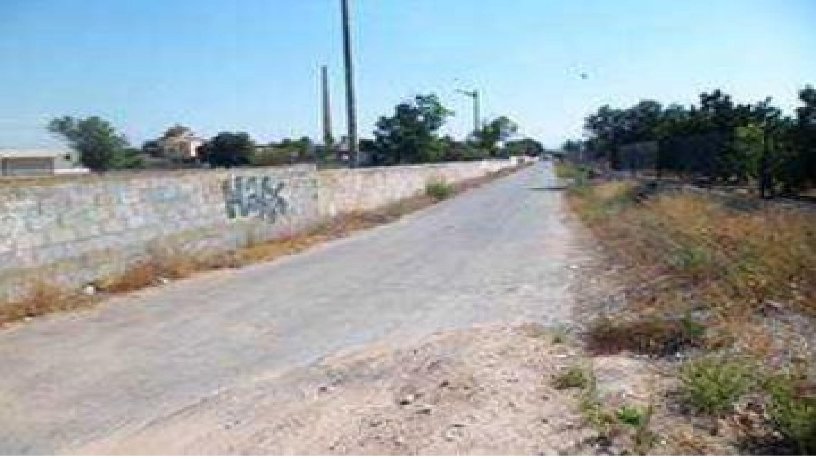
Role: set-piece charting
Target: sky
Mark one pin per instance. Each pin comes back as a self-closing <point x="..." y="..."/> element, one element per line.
<point x="253" y="65"/>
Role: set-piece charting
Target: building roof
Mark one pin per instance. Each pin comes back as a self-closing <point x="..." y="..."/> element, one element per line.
<point x="32" y="153"/>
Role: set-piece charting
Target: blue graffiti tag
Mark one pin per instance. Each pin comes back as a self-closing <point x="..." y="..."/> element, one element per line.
<point x="247" y="196"/>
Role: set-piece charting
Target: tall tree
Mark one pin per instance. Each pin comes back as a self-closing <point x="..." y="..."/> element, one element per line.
<point x="801" y="166"/>
<point x="497" y="130"/>
<point x="410" y="135"/>
<point x="525" y="146"/>
<point x="227" y="149"/>
<point x="100" y="147"/>
<point x="176" y="130"/>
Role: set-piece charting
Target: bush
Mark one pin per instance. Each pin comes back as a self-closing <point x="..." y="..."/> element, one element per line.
<point x="655" y="336"/>
<point x="272" y="156"/>
<point x="438" y="189"/>
<point x="227" y="149"/>
<point x="573" y="377"/>
<point x="41" y="298"/>
<point x="631" y="416"/>
<point x="793" y="413"/>
<point x="712" y="385"/>
<point x="638" y="419"/>
<point x="689" y="259"/>
<point x="578" y="173"/>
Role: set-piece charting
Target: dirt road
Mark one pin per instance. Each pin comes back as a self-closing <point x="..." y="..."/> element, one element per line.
<point x="500" y="253"/>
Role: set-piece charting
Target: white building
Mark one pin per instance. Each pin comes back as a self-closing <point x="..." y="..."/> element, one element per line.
<point x="17" y="162"/>
<point x="180" y="145"/>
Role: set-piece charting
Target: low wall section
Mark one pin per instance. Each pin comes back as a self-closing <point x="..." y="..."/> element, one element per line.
<point x="345" y="190"/>
<point x="77" y="230"/>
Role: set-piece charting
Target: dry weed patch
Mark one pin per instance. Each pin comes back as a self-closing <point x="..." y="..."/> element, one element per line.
<point x="655" y="336"/>
<point x="41" y="298"/>
<point x="718" y="258"/>
<point x="739" y="267"/>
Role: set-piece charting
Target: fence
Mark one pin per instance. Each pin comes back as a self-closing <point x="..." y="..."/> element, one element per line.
<point x="700" y="156"/>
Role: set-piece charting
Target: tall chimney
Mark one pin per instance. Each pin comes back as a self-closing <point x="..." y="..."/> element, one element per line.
<point x="327" y="128"/>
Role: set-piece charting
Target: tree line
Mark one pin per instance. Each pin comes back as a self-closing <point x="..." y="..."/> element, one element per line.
<point x="725" y="141"/>
<point x="409" y="135"/>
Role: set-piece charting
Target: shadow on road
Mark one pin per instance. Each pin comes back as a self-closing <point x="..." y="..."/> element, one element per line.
<point x="548" y="188"/>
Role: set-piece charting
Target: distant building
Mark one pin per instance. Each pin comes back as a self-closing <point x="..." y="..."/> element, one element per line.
<point x="30" y="162"/>
<point x="342" y="152"/>
<point x="180" y="144"/>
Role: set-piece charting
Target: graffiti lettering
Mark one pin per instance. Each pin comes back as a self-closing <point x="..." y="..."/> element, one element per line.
<point x="249" y="196"/>
<point x="11" y="227"/>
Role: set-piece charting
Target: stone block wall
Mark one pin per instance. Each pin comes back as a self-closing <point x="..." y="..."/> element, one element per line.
<point x="345" y="190"/>
<point x="77" y="230"/>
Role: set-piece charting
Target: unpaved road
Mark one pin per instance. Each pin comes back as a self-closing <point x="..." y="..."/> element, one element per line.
<point x="500" y="253"/>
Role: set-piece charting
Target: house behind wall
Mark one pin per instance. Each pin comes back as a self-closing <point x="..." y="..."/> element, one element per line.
<point x="32" y="163"/>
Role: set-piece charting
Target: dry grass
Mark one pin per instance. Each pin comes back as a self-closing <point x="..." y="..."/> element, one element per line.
<point x="42" y="298"/>
<point x="160" y="263"/>
<point x="685" y="251"/>
<point x="655" y="336"/>
<point x="736" y="265"/>
<point x="164" y="263"/>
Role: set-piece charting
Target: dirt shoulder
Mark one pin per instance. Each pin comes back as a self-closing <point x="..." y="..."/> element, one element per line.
<point x="486" y="390"/>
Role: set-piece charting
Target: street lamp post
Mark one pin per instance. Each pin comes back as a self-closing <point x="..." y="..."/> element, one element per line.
<point x="475" y="96"/>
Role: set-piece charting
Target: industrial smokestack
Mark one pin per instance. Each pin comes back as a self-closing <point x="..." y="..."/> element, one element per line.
<point x="328" y="140"/>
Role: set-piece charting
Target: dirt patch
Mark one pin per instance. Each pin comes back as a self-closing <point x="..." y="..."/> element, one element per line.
<point x="484" y="391"/>
<point x="481" y="391"/>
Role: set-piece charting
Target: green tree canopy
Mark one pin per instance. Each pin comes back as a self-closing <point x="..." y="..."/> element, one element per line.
<point x="497" y="130"/>
<point x="176" y="130"/>
<point x="525" y="146"/>
<point x="572" y="146"/>
<point x="455" y="150"/>
<point x="152" y="147"/>
<point x="718" y="137"/>
<point x="227" y="149"/>
<point x="100" y="147"/>
<point x="410" y="135"/>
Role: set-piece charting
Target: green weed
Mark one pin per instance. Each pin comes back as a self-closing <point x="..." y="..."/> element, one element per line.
<point x="573" y="377"/>
<point x="439" y="189"/>
<point x="631" y="416"/>
<point x="793" y="412"/>
<point x="689" y="259"/>
<point x="712" y="385"/>
<point x="639" y="420"/>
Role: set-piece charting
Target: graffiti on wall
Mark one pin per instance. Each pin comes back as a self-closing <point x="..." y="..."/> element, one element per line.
<point x="255" y="197"/>
<point x="11" y="227"/>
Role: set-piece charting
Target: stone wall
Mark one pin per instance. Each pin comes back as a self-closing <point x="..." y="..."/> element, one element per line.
<point x="77" y="230"/>
<point x="344" y="190"/>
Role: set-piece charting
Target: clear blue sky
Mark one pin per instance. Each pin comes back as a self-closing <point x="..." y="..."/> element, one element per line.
<point x="253" y="64"/>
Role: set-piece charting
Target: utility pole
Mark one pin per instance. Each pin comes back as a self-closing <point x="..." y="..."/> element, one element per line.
<point x="475" y="96"/>
<point x="765" y="179"/>
<point x="351" y="112"/>
<point x="327" y="127"/>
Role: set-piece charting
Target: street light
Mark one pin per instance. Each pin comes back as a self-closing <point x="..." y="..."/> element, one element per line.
<point x="475" y="96"/>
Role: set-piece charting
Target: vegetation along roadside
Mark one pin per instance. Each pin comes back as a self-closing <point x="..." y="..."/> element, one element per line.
<point x="719" y="293"/>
